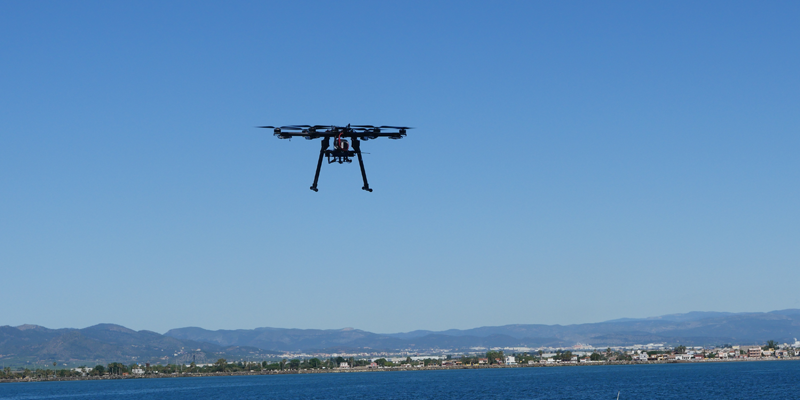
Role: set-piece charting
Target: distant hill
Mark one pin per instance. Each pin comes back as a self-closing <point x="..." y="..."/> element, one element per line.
<point x="280" y="339"/>
<point x="104" y="343"/>
<point x="694" y="328"/>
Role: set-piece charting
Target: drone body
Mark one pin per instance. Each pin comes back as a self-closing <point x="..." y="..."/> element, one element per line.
<point x="341" y="152"/>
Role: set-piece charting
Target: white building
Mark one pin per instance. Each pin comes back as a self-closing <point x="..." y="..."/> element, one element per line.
<point x="82" y="370"/>
<point x="511" y="360"/>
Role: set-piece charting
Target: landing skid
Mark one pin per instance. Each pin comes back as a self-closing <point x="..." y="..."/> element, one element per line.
<point x="340" y="156"/>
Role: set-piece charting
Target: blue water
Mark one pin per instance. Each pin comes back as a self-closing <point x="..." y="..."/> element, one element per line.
<point x="739" y="380"/>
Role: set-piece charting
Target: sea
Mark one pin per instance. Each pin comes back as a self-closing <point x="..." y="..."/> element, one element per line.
<point x="723" y="380"/>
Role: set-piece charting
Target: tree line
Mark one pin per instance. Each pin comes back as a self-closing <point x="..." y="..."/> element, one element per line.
<point x="221" y="365"/>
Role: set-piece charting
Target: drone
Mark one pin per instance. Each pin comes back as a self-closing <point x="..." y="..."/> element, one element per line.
<point x="341" y="151"/>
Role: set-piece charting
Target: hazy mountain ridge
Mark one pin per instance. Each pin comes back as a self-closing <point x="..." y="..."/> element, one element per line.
<point x="691" y="328"/>
<point x="105" y="343"/>
<point x="278" y="338"/>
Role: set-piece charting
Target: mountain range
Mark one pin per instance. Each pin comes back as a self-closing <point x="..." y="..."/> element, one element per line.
<point x="105" y="343"/>
<point x="108" y="343"/>
<point x="694" y="328"/>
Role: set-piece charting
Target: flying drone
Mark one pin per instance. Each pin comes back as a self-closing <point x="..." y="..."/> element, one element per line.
<point x="341" y="152"/>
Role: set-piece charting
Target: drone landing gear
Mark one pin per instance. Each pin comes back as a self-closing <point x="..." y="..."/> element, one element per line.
<point x="340" y="156"/>
<point x="357" y="148"/>
<point x="325" y="143"/>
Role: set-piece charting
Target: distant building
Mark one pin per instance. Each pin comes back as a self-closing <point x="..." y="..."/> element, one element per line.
<point x="82" y="370"/>
<point x="511" y="360"/>
<point x="754" y="352"/>
<point x="344" y="365"/>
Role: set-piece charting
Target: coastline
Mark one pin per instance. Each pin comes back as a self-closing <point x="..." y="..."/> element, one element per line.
<point x="387" y="369"/>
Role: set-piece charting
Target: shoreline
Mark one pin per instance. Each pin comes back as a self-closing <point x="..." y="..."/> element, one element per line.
<point x="367" y="369"/>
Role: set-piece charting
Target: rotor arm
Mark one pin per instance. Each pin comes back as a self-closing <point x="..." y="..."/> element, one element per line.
<point x="324" y="146"/>
<point x="357" y="149"/>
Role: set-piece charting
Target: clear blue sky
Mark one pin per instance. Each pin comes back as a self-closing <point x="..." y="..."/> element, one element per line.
<point x="572" y="162"/>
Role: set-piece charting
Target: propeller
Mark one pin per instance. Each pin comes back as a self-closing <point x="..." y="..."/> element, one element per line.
<point x="296" y="127"/>
<point x="366" y="129"/>
<point x="331" y="126"/>
<point x="395" y="127"/>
